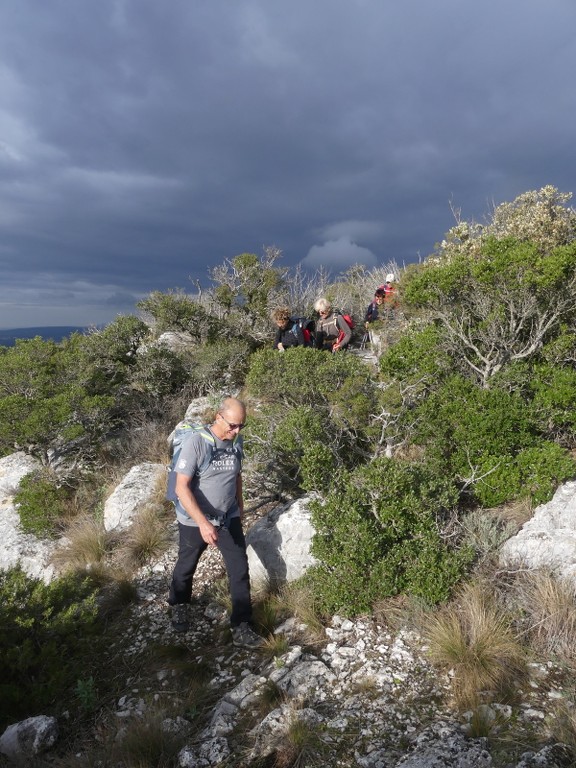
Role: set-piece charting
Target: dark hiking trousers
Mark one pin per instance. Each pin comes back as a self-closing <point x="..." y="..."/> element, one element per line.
<point x="232" y="545"/>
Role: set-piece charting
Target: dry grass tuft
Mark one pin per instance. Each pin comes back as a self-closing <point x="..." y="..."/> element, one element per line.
<point x="515" y="513"/>
<point x="145" y="743"/>
<point x="401" y="611"/>
<point x="296" y="600"/>
<point x="302" y="745"/>
<point x="146" y="539"/>
<point x="267" y="613"/>
<point x="562" y="726"/>
<point x="219" y="592"/>
<point x="485" y="532"/>
<point x="549" y="604"/>
<point x="87" y="544"/>
<point x="275" y="646"/>
<point x="473" y="638"/>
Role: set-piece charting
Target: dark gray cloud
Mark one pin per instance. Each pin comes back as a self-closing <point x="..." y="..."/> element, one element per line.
<point x="142" y="142"/>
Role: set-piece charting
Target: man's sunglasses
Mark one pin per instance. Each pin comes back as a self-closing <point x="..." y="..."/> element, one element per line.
<point x="232" y="426"/>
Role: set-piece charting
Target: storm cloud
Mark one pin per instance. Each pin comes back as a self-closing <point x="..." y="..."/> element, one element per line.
<point x="142" y="142"/>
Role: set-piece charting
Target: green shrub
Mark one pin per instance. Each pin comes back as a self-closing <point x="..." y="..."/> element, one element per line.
<point x="488" y="439"/>
<point x="159" y="372"/>
<point x="314" y="417"/>
<point x="45" y="633"/>
<point x="542" y="468"/>
<point x="176" y="311"/>
<point x="379" y="534"/>
<point x="417" y="356"/>
<point x="221" y="364"/>
<point x="341" y="382"/>
<point x="553" y="389"/>
<point x="42" y="501"/>
<point x="533" y="474"/>
<point x="306" y="450"/>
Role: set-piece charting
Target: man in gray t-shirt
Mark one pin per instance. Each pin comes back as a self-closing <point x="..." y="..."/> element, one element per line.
<point x="216" y="490"/>
<point x="209" y="509"/>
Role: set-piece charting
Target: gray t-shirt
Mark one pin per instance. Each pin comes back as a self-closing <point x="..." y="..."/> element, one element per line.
<point x="215" y="489"/>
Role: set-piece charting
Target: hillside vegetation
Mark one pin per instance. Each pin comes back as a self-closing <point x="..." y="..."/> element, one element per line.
<point x="472" y="407"/>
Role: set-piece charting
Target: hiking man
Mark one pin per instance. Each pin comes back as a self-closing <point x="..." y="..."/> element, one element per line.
<point x="209" y="510"/>
<point x="332" y="331"/>
<point x="289" y="333"/>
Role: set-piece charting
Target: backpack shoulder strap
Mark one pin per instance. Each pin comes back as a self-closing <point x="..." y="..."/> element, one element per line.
<point x="210" y="442"/>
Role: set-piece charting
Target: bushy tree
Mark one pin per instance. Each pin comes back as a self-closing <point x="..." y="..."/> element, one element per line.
<point x="43" y="399"/>
<point x="380" y="533"/>
<point x="498" y="305"/>
<point x="177" y="311"/>
<point x="45" y="641"/>
<point x="486" y="387"/>
<point x="246" y="289"/>
<point x="314" y="416"/>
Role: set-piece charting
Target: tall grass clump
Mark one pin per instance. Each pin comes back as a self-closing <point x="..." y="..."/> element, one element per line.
<point x="146" y="539"/>
<point x="147" y="743"/>
<point x="86" y="543"/>
<point x="473" y="637"/>
<point x="548" y="604"/>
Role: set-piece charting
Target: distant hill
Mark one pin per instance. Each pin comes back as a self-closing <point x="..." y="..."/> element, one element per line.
<point x="55" y="332"/>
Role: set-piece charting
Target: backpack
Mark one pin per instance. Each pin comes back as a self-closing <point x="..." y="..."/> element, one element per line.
<point x="347" y="318"/>
<point x="307" y="328"/>
<point x="182" y="432"/>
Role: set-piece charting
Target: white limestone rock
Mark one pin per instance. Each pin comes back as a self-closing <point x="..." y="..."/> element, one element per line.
<point x="175" y="340"/>
<point x="29" y="738"/>
<point x="548" y="539"/>
<point x="451" y="750"/>
<point x="278" y="545"/>
<point x="135" y="491"/>
<point x="19" y="548"/>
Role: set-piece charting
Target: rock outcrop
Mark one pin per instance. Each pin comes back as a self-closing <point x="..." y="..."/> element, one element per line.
<point x="548" y="539"/>
<point x="279" y="544"/>
<point x="24" y="740"/>
<point x="19" y="548"/>
<point x="136" y="489"/>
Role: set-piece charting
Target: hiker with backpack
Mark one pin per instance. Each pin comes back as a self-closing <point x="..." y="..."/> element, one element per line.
<point x="333" y="332"/>
<point x="206" y="489"/>
<point x="290" y="332"/>
<point x="390" y="297"/>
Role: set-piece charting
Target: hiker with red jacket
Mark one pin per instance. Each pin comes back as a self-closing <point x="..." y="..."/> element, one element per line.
<point x="390" y="297"/>
<point x="332" y="331"/>
<point x="289" y="333"/>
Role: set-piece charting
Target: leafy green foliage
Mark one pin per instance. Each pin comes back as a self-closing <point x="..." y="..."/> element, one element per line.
<point x="246" y="289"/>
<point x="489" y="441"/>
<point x="315" y="415"/>
<point x="378" y="533"/>
<point x="553" y="390"/>
<point x="222" y="364"/>
<point x="177" y="311"/>
<point x="45" y="633"/>
<point x="42" y="501"/>
<point x="159" y="372"/>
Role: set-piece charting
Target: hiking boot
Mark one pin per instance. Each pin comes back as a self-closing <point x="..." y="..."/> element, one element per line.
<point x="180" y="620"/>
<point x="244" y="636"/>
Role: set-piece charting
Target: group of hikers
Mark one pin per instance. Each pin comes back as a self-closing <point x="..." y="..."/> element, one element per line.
<point x="332" y="331"/>
<point x="205" y="478"/>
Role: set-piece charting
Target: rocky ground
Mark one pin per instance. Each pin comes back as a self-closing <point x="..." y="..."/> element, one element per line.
<point x="363" y="696"/>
